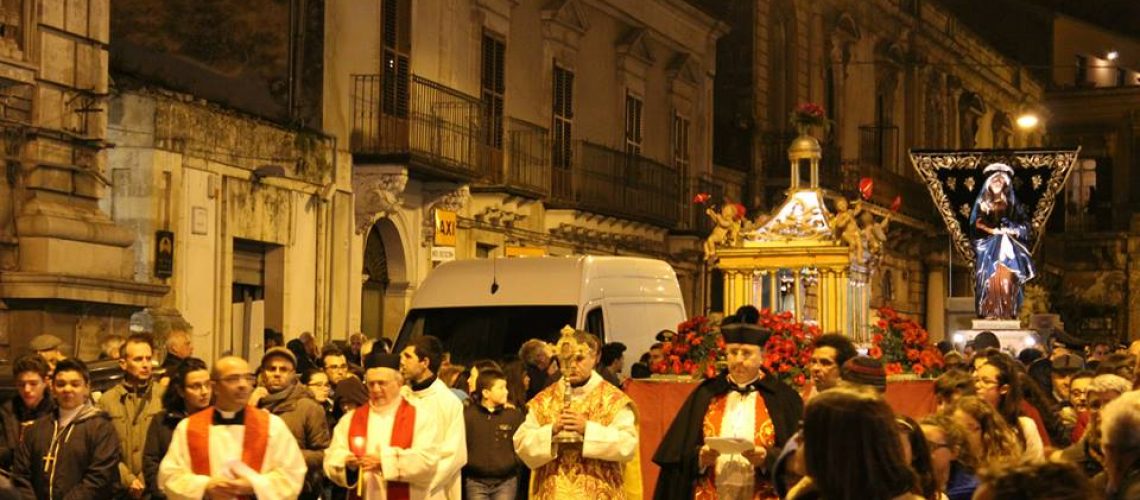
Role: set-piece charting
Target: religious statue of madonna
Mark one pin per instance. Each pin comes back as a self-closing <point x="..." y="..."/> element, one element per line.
<point x="999" y="231"/>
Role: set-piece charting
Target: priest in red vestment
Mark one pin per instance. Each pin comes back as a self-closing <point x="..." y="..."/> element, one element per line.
<point x="232" y="450"/>
<point x="387" y="449"/>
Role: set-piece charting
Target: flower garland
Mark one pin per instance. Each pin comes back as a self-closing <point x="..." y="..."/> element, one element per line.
<point x="788" y="350"/>
<point x="694" y="351"/>
<point x="904" y="346"/>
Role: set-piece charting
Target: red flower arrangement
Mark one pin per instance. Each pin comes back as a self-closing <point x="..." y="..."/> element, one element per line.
<point x="693" y="351"/>
<point x="810" y="115"/>
<point x="904" y="346"/>
<point x="788" y="350"/>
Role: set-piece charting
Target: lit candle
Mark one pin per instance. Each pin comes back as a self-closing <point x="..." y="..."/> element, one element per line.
<point x="358" y="450"/>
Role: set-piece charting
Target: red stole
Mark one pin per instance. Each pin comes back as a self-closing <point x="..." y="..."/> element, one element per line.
<point x="403" y="428"/>
<point x="764" y="436"/>
<point x="253" y="445"/>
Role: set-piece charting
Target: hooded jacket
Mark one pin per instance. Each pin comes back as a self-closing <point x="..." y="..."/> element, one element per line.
<point x="16" y="418"/>
<point x="86" y="458"/>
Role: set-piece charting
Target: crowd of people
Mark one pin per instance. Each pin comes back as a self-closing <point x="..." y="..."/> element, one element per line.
<point x="355" y="420"/>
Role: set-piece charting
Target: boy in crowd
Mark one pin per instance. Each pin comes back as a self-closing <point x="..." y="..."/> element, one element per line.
<point x="492" y="468"/>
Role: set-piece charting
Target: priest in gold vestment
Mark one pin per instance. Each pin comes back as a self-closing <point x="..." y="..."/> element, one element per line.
<point x="578" y="446"/>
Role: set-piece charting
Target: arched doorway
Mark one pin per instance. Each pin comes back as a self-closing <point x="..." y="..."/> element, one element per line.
<point x="385" y="282"/>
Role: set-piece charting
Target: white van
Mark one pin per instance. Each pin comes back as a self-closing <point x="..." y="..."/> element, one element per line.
<point x="486" y="308"/>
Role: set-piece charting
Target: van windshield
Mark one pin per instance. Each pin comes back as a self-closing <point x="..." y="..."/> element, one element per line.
<point x="474" y="333"/>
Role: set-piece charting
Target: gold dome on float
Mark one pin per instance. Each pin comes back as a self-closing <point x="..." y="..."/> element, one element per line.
<point x="804" y="147"/>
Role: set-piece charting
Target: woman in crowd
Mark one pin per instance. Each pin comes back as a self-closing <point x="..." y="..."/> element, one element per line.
<point x="951" y="458"/>
<point x="318" y="383"/>
<point x="999" y="383"/>
<point x="916" y="452"/>
<point x="189" y="391"/>
<point x="852" y="450"/>
<point x="517" y="382"/>
<point x="989" y="437"/>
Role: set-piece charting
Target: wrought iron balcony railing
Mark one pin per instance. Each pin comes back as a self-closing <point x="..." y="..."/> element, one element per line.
<point x="879" y="147"/>
<point x="525" y="169"/>
<point x="611" y="182"/>
<point x="438" y="130"/>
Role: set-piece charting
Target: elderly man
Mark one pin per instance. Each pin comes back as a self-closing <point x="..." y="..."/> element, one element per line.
<point x="419" y="364"/>
<point x="387" y="448"/>
<point x="131" y="405"/>
<point x="602" y="418"/>
<point x="74" y="452"/>
<point x="232" y="449"/>
<point x="742" y="403"/>
<point x="47" y="347"/>
<point x="179" y="345"/>
<point x="283" y="396"/>
<point x="1120" y="431"/>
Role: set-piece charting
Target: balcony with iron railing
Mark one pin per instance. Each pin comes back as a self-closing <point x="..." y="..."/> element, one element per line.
<point x="434" y="128"/>
<point x="525" y="169"/>
<point x="610" y="182"/>
<point x="879" y="160"/>
<point x="694" y="219"/>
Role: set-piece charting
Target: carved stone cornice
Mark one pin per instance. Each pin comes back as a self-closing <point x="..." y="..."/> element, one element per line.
<point x="379" y="191"/>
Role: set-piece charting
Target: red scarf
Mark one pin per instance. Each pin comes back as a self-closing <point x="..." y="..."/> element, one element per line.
<point x="402" y="430"/>
<point x="254" y="442"/>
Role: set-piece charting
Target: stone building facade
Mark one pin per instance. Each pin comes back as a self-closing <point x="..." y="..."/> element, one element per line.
<point x="259" y="213"/>
<point x="65" y="266"/>
<point x="892" y="75"/>
<point x="556" y="128"/>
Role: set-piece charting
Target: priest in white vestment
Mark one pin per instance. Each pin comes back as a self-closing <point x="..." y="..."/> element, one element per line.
<point x="386" y="449"/>
<point x="419" y="364"/>
<point x="232" y="450"/>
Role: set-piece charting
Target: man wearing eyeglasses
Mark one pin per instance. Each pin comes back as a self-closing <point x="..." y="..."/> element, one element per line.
<point x="232" y="449"/>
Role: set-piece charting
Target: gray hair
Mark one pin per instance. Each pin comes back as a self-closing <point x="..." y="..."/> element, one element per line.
<point x="1109" y="382"/>
<point x="1120" y="422"/>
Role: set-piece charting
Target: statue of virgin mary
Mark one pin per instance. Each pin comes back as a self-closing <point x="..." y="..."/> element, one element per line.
<point x="999" y="232"/>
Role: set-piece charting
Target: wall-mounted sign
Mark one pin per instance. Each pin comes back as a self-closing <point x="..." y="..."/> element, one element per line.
<point x="444" y="228"/>
<point x="442" y="254"/>
<point x="512" y="251"/>
<point x="163" y="254"/>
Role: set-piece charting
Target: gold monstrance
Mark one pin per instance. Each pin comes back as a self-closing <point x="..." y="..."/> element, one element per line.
<point x="568" y="350"/>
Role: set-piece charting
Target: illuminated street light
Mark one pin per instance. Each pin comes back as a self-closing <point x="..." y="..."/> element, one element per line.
<point x="1027" y="121"/>
<point x="1112" y="55"/>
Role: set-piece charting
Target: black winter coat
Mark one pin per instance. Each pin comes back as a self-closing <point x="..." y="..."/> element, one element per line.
<point x="158" y="437"/>
<point x="87" y="461"/>
<point x="13" y="414"/>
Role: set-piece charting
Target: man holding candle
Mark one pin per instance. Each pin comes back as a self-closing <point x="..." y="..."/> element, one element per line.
<point x="385" y="449"/>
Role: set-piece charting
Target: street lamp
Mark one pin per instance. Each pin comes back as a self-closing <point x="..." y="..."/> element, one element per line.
<point x="1027" y="121"/>
<point x="1112" y="55"/>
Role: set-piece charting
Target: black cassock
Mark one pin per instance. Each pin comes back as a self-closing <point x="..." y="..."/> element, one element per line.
<point x="677" y="453"/>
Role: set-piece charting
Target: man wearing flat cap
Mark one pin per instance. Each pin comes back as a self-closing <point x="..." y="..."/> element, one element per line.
<point x="284" y="397"/>
<point x="742" y="402"/>
<point x="47" y="347"/>
<point x="388" y="447"/>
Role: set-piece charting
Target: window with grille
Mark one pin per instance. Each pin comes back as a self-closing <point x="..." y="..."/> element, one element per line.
<point x="633" y="108"/>
<point x="396" y="19"/>
<point x="494" y="86"/>
<point x="563" y="117"/>
<point x="681" y="144"/>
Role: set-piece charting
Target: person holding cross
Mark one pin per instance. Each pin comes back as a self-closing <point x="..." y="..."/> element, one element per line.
<point x="231" y="449"/>
<point x="74" y="451"/>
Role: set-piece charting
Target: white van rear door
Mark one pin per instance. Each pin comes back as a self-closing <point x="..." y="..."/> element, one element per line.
<point x="636" y="323"/>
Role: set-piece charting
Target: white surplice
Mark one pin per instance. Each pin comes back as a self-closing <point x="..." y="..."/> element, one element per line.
<point x="282" y="472"/>
<point x="447" y="411"/>
<point x="735" y="475"/>
<point x="415" y="465"/>
<point x="616" y="442"/>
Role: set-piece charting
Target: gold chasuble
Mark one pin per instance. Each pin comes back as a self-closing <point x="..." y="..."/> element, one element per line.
<point x="571" y="475"/>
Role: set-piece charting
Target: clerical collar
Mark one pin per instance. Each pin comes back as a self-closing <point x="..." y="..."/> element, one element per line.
<point x="222" y="417"/>
<point x="743" y="388"/>
<point x="417" y="387"/>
